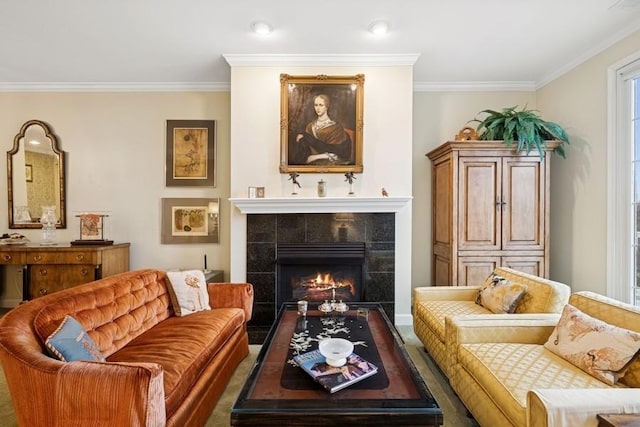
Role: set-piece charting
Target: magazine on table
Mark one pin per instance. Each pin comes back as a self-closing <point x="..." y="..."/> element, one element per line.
<point x="335" y="378"/>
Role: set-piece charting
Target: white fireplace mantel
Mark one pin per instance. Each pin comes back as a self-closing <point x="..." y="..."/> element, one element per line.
<point x="275" y="205"/>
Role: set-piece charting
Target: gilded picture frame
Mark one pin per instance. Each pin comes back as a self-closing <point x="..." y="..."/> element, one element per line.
<point x="191" y="153"/>
<point x="321" y="123"/>
<point x="190" y="220"/>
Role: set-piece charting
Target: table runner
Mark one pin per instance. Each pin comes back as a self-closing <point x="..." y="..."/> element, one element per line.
<point x="311" y="330"/>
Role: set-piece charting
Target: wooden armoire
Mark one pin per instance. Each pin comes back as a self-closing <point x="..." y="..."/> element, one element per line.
<point x="490" y="208"/>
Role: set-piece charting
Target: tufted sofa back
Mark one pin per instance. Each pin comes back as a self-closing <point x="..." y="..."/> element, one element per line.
<point x="113" y="310"/>
<point x="542" y="296"/>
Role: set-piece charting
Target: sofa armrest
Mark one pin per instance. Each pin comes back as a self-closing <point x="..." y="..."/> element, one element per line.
<point x="445" y="293"/>
<point x="232" y="295"/>
<point x="116" y="394"/>
<point x="503" y="328"/>
<point x="579" y="407"/>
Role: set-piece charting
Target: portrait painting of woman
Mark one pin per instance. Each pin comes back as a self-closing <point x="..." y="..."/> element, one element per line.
<point x="321" y="124"/>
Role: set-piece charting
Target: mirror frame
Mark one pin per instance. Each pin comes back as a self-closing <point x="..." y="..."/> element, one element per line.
<point x="62" y="223"/>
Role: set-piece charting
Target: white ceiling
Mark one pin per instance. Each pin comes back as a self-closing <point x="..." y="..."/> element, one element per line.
<point x="181" y="42"/>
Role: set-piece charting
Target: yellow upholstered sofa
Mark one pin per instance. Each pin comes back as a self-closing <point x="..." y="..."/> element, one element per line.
<point x="505" y="376"/>
<point x="431" y="305"/>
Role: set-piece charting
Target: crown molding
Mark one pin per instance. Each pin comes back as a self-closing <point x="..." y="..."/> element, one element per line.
<point x="585" y="56"/>
<point x="363" y="60"/>
<point x="524" y="86"/>
<point x="115" y="87"/>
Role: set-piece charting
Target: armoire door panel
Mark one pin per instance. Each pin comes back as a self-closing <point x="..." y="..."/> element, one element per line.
<point x="531" y="265"/>
<point x="473" y="271"/>
<point x="523" y="204"/>
<point x="478" y="197"/>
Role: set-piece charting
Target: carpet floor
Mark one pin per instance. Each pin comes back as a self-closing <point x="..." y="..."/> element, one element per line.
<point x="455" y="414"/>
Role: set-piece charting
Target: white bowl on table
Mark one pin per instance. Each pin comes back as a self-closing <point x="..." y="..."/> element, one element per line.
<point x="335" y="350"/>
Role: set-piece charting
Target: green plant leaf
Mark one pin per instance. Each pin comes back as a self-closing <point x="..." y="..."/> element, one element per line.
<point x="524" y="126"/>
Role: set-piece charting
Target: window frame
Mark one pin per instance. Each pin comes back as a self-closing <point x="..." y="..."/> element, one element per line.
<point x="620" y="180"/>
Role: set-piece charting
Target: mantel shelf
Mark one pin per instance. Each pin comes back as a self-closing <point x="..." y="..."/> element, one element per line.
<point x="293" y="204"/>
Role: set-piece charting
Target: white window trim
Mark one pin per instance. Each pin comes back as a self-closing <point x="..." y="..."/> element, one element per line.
<point x="620" y="274"/>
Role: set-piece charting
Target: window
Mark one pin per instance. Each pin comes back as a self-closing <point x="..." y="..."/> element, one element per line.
<point x="623" y="186"/>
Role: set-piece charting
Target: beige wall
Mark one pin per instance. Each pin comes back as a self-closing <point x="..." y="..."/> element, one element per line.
<point x="578" y="100"/>
<point x="115" y="145"/>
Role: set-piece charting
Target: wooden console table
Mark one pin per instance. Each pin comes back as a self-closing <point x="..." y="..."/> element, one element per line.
<point x="49" y="269"/>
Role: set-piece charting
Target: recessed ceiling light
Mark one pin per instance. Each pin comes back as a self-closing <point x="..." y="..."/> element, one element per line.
<point x="261" y="28"/>
<point x="379" y="28"/>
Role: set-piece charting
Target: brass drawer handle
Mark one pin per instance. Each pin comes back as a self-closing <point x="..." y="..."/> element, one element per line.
<point x="37" y="258"/>
<point x="80" y="257"/>
<point x="6" y="257"/>
<point x="84" y="271"/>
<point x="43" y="291"/>
<point x="42" y="271"/>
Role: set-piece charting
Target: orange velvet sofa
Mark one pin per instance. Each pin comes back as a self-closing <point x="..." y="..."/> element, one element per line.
<point x="160" y="369"/>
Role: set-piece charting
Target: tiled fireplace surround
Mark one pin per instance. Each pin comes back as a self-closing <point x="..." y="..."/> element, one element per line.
<point x="266" y="231"/>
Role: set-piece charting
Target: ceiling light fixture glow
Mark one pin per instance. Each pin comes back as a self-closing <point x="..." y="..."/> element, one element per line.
<point x="261" y="28"/>
<point x="379" y="28"/>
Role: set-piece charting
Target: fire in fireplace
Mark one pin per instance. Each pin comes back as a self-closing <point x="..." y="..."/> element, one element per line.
<point x="320" y="271"/>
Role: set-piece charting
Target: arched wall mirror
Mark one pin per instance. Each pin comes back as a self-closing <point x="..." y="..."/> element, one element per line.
<point x="35" y="173"/>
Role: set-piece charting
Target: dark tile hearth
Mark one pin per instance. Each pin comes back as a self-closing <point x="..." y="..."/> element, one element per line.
<point x="266" y="231"/>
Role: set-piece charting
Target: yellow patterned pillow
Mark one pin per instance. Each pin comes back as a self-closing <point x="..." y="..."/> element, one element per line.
<point x="500" y="295"/>
<point x="598" y="348"/>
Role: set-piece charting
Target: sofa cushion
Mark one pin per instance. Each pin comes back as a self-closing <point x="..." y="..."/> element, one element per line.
<point x="500" y="295"/>
<point x="542" y="296"/>
<point x="188" y="290"/>
<point x="183" y="346"/>
<point x="434" y="312"/>
<point x="596" y="347"/>
<point x="70" y="342"/>
<point x="506" y="371"/>
<point x="614" y="313"/>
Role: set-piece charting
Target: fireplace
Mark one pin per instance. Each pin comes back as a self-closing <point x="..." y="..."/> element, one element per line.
<point x="272" y="239"/>
<point x="320" y="271"/>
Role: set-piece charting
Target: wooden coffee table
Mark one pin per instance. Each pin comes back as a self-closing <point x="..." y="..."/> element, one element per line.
<point x="279" y="393"/>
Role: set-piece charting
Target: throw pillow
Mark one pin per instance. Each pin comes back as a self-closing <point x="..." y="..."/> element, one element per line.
<point x="188" y="291"/>
<point x="71" y="342"/>
<point x="500" y="295"/>
<point x="602" y="350"/>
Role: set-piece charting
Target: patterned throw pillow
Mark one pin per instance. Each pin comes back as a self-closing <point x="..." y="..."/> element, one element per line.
<point x="602" y="350"/>
<point x="70" y="342"/>
<point x="500" y="295"/>
<point x="188" y="291"/>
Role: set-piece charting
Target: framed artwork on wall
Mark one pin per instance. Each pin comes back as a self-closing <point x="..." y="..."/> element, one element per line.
<point x="191" y="153"/>
<point x="190" y="220"/>
<point x="28" y="172"/>
<point x="321" y="123"/>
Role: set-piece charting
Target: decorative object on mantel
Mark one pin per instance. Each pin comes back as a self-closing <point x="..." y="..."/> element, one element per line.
<point x="350" y="178"/>
<point x="467" y="133"/>
<point x="92" y="230"/>
<point x="256" y="193"/>
<point x="384" y="193"/>
<point x="321" y="123"/>
<point x="322" y="188"/>
<point x="294" y="181"/>
<point x="525" y="127"/>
